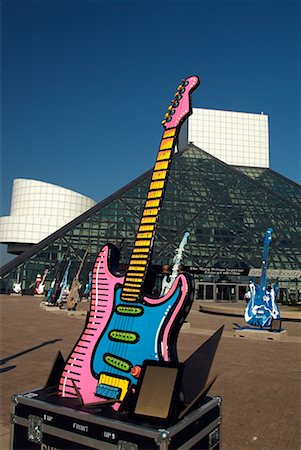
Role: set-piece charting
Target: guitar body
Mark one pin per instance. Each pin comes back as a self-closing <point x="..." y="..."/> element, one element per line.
<point x="262" y="307"/>
<point x="120" y="335"/>
<point x="39" y="290"/>
<point x="73" y="296"/>
<point x="17" y="288"/>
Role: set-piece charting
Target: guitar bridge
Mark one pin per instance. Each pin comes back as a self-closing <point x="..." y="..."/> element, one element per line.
<point x="112" y="387"/>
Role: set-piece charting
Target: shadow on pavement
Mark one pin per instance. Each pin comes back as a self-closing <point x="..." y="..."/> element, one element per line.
<point x="31" y="349"/>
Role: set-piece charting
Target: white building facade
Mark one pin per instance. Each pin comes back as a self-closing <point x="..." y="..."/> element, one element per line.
<point x="237" y="138"/>
<point x="37" y="210"/>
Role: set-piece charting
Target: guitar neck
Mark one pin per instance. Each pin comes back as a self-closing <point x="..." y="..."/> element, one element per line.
<point x="141" y="253"/>
<point x="81" y="264"/>
<point x="264" y="264"/>
<point x="44" y="277"/>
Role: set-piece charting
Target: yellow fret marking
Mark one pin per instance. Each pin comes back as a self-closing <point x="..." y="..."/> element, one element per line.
<point x="151" y="211"/>
<point x="169" y="133"/>
<point x="141" y="269"/>
<point x="129" y="297"/>
<point x="142" y="243"/>
<point x="148" y="219"/>
<point x="166" y="144"/>
<point x="163" y="155"/>
<point x="134" y="291"/>
<point x="161" y="165"/>
<point x="135" y="280"/>
<point x="140" y="250"/>
<point x="146" y="227"/>
<point x="151" y="203"/>
<point x="139" y="256"/>
<point x="155" y="194"/>
<point x="141" y="262"/>
<point x="157" y="185"/>
<point x="132" y="284"/>
<point x="160" y="175"/>
<point x="144" y="235"/>
<point x="134" y="273"/>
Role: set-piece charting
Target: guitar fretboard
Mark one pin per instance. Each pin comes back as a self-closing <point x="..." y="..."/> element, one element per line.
<point x="141" y="253"/>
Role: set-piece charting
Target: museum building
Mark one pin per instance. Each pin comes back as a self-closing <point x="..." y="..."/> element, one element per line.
<point x="225" y="201"/>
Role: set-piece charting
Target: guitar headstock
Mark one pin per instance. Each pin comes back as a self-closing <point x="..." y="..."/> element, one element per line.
<point x="268" y="236"/>
<point x="180" y="107"/>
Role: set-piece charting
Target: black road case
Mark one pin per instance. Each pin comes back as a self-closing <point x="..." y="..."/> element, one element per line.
<point x="44" y="422"/>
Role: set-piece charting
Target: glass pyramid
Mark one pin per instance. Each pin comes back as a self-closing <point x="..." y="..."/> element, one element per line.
<point x="225" y="209"/>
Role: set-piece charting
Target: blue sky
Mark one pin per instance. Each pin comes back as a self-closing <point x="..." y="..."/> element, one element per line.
<point x="85" y="84"/>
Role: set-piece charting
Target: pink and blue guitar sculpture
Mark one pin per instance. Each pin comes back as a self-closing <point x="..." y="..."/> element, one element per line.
<point x="262" y="307"/>
<point x="124" y="326"/>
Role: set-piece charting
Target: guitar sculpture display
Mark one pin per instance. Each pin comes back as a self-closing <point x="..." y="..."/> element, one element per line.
<point x="167" y="281"/>
<point x="16" y="288"/>
<point x="125" y="327"/>
<point x="88" y="287"/>
<point x="53" y="290"/>
<point x="73" y="296"/>
<point x="40" y="283"/>
<point x="64" y="284"/>
<point x="262" y="306"/>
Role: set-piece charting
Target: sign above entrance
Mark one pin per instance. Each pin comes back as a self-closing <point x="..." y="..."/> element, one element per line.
<point x="219" y="271"/>
<point x="253" y="272"/>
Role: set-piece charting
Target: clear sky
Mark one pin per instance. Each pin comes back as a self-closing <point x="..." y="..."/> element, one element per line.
<point x="85" y="84"/>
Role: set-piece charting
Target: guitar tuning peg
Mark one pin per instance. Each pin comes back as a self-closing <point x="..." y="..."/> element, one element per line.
<point x="180" y="87"/>
<point x="163" y="122"/>
<point x="166" y="115"/>
<point x="170" y="107"/>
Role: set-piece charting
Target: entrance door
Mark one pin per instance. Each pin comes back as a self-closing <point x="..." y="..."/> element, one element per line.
<point x="242" y="289"/>
<point x="205" y="291"/>
<point x="226" y="292"/>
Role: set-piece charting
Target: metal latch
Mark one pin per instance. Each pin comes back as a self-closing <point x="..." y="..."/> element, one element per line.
<point x="163" y="439"/>
<point x="125" y="445"/>
<point x="214" y="439"/>
<point x="35" y="429"/>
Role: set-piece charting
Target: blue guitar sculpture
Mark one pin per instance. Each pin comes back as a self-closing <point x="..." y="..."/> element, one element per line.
<point x="262" y="306"/>
<point x="88" y="287"/>
<point x="64" y="284"/>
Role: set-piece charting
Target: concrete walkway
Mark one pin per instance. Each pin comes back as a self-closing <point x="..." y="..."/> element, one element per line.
<point x="259" y="381"/>
<point x="236" y="309"/>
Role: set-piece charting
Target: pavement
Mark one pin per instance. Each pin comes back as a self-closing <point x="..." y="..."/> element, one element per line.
<point x="259" y="381"/>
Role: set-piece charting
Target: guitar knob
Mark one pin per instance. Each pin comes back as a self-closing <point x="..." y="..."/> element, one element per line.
<point x="135" y="371"/>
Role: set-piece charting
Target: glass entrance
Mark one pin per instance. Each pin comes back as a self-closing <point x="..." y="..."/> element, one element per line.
<point x="226" y="292"/>
<point x="205" y="291"/>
